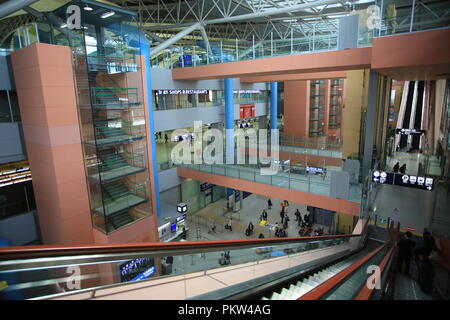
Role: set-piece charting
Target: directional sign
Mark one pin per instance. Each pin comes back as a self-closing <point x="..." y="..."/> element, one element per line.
<point x="405" y="180"/>
<point x="410" y="131"/>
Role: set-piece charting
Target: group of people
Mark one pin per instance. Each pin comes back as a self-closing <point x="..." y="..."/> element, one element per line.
<point x="225" y="258"/>
<point x="401" y="169"/>
<point x="407" y="249"/>
<point x="159" y="135"/>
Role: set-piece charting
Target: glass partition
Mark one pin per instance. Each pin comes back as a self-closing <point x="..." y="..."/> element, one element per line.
<point x="51" y="276"/>
<point x="107" y="65"/>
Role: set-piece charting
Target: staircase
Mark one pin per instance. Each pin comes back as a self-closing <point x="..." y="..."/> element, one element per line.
<point x="115" y="190"/>
<point x="120" y="219"/>
<point x="111" y="160"/>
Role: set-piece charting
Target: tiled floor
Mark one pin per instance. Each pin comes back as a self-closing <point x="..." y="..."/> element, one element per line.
<point x="253" y="206"/>
<point x="415" y="205"/>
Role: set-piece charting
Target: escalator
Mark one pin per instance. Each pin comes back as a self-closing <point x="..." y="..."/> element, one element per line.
<point x="407" y="115"/>
<point x="413" y="113"/>
<point x="299" y="288"/>
<point x="415" y="139"/>
<point x="276" y="268"/>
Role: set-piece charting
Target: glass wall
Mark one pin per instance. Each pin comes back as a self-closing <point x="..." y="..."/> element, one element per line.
<point x="316" y="108"/>
<point x="9" y="106"/>
<point x="107" y="67"/>
<point x="16" y="199"/>
<point x="336" y="89"/>
<point x="182" y="98"/>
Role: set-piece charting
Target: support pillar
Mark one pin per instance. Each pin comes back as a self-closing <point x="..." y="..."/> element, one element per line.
<point x="370" y="129"/>
<point x="274" y="105"/>
<point x="229" y="120"/>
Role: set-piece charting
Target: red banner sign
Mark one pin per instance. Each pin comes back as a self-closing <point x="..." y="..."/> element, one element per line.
<point x="247" y="111"/>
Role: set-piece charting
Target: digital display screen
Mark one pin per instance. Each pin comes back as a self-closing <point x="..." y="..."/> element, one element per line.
<point x="315" y="170"/>
<point x="405" y="180"/>
<point x="137" y="269"/>
<point x="181" y="218"/>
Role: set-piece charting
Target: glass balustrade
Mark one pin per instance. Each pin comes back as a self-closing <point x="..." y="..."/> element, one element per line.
<point x="47" y="276"/>
<point x="285" y="176"/>
<point x="389" y="22"/>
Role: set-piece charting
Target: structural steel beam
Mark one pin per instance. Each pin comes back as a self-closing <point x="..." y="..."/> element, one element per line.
<point x="12" y="6"/>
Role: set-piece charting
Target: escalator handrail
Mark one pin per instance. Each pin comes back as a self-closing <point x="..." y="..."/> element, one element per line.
<point x="47" y="251"/>
<point x="325" y="287"/>
<point x="366" y="292"/>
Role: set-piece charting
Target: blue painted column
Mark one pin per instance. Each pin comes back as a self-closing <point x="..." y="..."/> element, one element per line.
<point x="274" y="105"/>
<point x="229" y="120"/>
<point x="145" y="51"/>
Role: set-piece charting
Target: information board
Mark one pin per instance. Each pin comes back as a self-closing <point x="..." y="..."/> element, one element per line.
<point x="417" y="132"/>
<point x="405" y="180"/>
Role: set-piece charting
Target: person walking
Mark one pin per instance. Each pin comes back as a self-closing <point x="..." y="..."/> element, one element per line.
<point x="396" y="167"/>
<point x="405" y="249"/>
<point x="297" y="215"/>
<point x="269" y="204"/>
<point x="286" y="221"/>
<point x="229" y="225"/>
<point x="166" y="138"/>
<point x="264" y="215"/>
<point x="250" y="227"/>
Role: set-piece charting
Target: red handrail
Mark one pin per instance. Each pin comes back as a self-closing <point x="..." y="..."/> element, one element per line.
<point x="366" y="292"/>
<point x="8" y="253"/>
<point x="325" y="287"/>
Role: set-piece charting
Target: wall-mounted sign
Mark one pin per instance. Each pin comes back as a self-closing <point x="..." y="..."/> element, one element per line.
<point x="181" y="207"/>
<point x="246" y="91"/>
<point x="206" y="186"/>
<point x="315" y="170"/>
<point x="182" y="91"/>
<point x="245" y="125"/>
<point x="410" y="131"/>
<point x="247" y="111"/>
<point x="405" y="180"/>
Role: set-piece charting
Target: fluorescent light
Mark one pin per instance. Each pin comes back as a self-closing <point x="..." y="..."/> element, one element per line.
<point x="64" y="25"/>
<point x="107" y="14"/>
<point x="87" y="8"/>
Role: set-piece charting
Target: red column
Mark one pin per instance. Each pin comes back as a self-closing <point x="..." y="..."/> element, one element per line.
<point x="296" y="109"/>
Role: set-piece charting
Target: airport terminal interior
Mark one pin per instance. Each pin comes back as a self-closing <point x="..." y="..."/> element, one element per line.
<point x="215" y="149"/>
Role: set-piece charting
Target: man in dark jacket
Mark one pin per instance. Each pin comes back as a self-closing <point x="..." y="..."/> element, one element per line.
<point x="405" y="248"/>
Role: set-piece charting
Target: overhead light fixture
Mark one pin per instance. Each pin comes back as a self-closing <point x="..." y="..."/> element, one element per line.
<point x="87" y="8"/>
<point x="63" y="26"/>
<point x="107" y="14"/>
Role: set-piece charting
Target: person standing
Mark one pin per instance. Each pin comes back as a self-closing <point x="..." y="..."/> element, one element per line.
<point x="394" y="217"/>
<point x="282" y="215"/>
<point x="396" y="167"/>
<point x="269" y="204"/>
<point x="166" y="138"/>
<point x="300" y="220"/>
<point x="403" y="169"/>
<point x="405" y="249"/>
